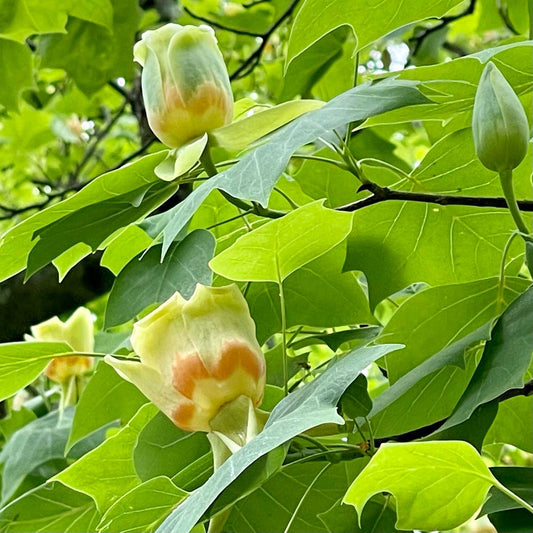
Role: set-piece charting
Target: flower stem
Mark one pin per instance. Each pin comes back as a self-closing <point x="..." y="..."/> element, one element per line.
<point x="284" y="337"/>
<point x="506" y="180"/>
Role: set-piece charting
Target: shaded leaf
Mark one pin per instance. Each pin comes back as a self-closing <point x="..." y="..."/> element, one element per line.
<point x="146" y="280"/>
<point x="505" y="359"/>
<point x="105" y="399"/>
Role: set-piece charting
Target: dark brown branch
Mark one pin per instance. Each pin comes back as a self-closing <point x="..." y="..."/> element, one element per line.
<point x="135" y="154"/>
<point x="220" y="26"/>
<point x="253" y="60"/>
<point x="382" y="194"/>
<point x="417" y="40"/>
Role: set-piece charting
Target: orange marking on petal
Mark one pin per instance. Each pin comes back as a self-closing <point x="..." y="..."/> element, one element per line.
<point x="234" y="355"/>
<point x="185" y="373"/>
<point x="182" y="415"/>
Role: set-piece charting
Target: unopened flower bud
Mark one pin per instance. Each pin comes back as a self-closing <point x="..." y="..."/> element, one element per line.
<point x="185" y="82"/>
<point x="499" y="123"/>
<point x="197" y="356"/>
<point x="77" y="332"/>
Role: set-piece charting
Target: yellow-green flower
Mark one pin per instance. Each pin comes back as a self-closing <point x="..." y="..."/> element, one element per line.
<point x="185" y="82"/>
<point x="197" y="356"/>
<point x="77" y="332"/>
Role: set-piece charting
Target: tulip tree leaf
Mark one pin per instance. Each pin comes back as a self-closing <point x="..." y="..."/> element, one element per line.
<point x="317" y="294"/>
<point x="505" y="360"/>
<point x="435" y="318"/>
<point x="307" y="407"/>
<point x="146" y="280"/>
<point x="50" y="508"/>
<point x="240" y="134"/>
<point x="16" y="244"/>
<point x="399" y="243"/>
<point x="294" y="497"/>
<point x="106" y="398"/>
<point x="22" y="362"/>
<point x="280" y="247"/>
<point x="254" y="176"/>
<point x="142" y="509"/>
<point x="112" y="460"/>
<point x="420" y="393"/>
<point x="429" y="376"/>
<point x="317" y="18"/>
<point x="23" y="18"/>
<point x="453" y="85"/>
<point x="20" y="455"/>
<point x="94" y="223"/>
<point x="15" y="58"/>
<point x="437" y="485"/>
<point x="103" y="54"/>
<point x="163" y="449"/>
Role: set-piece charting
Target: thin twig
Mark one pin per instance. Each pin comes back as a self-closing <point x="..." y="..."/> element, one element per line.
<point x="253" y="59"/>
<point x="220" y="26"/>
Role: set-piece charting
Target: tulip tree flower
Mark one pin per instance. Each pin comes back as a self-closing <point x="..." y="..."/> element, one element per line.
<point x="77" y="332"/>
<point x="198" y="357"/>
<point x="185" y="83"/>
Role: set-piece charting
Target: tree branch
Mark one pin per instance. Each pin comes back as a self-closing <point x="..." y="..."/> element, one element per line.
<point x="220" y="26"/>
<point x="253" y="60"/>
<point x="418" y="39"/>
<point x="382" y="194"/>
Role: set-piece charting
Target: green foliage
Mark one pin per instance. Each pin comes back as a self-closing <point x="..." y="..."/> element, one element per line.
<point x="426" y="479"/>
<point x="389" y="282"/>
<point x="21" y="363"/>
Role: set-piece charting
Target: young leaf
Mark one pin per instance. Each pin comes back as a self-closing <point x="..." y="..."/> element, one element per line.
<point x="112" y="460"/>
<point x="280" y="247"/>
<point x="22" y="362"/>
<point x="437" y="485"/>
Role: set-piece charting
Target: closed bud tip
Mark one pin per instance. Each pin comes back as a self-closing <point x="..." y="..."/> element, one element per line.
<point x="499" y="123"/>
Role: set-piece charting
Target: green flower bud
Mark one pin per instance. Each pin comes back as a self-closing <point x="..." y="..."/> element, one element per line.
<point x="499" y="123"/>
<point x="185" y="83"/>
